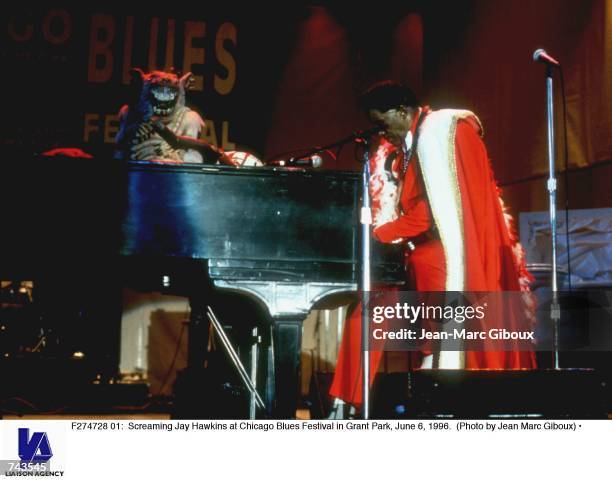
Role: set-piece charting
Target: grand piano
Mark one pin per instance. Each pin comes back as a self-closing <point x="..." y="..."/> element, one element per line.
<point x="285" y="238"/>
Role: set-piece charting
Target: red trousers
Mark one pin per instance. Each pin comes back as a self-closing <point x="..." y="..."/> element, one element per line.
<point x="426" y="271"/>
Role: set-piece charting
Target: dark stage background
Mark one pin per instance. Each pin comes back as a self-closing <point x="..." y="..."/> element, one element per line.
<point x="274" y="79"/>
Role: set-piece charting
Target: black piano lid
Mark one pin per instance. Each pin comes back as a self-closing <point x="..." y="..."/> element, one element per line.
<point x="223" y="212"/>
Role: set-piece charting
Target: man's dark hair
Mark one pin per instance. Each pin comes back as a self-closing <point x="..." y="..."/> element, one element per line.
<point x="387" y="95"/>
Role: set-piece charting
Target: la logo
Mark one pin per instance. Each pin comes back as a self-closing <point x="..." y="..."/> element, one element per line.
<point x="35" y="449"/>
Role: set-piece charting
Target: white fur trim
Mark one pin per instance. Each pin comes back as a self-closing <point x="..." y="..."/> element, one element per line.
<point x="436" y="151"/>
<point x="385" y="187"/>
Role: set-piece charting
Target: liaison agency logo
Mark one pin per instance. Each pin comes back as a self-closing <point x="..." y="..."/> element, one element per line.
<point x="32" y="449"/>
<point x="35" y="449"/>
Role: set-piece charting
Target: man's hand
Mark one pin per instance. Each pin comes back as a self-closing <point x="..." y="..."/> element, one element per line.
<point x="144" y="130"/>
<point x="148" y="149"/>
<point x="155" y="149"/>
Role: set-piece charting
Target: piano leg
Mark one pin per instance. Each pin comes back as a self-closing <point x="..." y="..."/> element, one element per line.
<point x="269" y="378"/>
<point x="287" y="351"/>
<point x="197" y="336"/>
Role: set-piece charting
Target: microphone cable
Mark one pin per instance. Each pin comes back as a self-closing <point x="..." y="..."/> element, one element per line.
<point x="566" y="179"/>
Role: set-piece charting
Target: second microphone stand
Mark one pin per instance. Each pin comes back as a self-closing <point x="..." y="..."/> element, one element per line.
<point x="555" y="309"/>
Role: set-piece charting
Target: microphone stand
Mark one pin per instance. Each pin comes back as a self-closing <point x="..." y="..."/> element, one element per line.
<point x="555" y="310"/>
<point x="365" y="219"/>
<point x="357" y="135"/>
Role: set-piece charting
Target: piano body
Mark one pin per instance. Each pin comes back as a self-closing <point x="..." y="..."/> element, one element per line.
<point x="285" y="238"/>
<point x="288" y="238"/>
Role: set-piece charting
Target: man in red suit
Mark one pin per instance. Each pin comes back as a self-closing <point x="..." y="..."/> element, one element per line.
<point x="433" y="190"/>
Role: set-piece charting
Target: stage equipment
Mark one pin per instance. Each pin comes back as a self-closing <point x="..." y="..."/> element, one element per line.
<point x="248" y="381"/>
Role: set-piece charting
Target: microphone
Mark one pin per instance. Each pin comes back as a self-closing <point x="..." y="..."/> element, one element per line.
<point x="315" y="161"/>
<point x="540" y="55"/>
